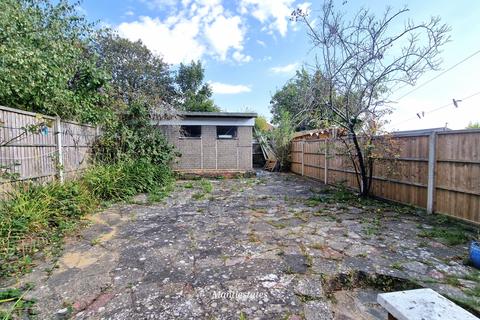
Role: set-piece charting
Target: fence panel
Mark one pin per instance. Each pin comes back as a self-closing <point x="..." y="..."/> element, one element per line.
<point x="457" y="185"/>
<point x="77" y="141"/>
<point x="455" y="177"/>
<point x="34" y="156"/>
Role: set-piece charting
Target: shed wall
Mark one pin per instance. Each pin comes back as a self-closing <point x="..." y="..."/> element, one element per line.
<point x="210" y="153"/>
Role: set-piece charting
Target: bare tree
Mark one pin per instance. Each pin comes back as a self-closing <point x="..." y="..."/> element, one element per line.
<point x="362" y="61"/>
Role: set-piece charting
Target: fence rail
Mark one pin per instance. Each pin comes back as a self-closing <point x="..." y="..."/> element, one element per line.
<point x="59" y="150"/>
<point x="439" y="172"/>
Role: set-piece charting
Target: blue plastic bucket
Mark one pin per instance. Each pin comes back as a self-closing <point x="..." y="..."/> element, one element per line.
<point x="475" y="254"/>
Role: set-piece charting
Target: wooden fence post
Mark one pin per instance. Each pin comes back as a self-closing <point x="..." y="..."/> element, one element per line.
<point x="58" y="127"/>
<point x="326" y="162"/>
<point x="432" y="158"/>
<point x="303" y="155"/>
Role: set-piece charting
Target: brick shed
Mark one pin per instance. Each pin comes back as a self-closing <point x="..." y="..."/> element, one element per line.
<point x="211" y="141"/>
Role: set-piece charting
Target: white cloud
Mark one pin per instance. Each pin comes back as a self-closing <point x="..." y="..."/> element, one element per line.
<point x="274" y="13"/>
<point x="199" y="27"/>
<point x="240" y="57"/>
<point x="176" y="41"/>
<point x="223" y="88"/>
<point x="289" y="68"/>
<point x="195" y="28"/>
<point x="305" y="7"/>
<point x="159" y="4"/>
<point x="225" y="33"/>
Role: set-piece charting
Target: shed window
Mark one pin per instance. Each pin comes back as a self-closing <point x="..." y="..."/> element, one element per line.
<point x="226" y="132"/>
<point x="191" y="131"/>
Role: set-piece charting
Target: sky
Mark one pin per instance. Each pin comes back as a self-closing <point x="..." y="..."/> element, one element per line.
<point x="250" y="48"/>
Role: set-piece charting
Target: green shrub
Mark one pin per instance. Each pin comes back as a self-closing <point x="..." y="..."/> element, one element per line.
<point x="280" y="140"/>
<point x="132" y="137"/>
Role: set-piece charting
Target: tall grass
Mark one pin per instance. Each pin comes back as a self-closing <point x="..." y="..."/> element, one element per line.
<point x="33" y="215"/>
<point x="124" y="179"/>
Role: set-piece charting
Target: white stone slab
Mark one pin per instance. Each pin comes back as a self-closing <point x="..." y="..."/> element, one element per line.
<point x="422" y="304"/>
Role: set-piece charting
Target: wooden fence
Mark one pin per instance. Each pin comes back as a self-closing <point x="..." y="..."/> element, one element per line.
<point x="58" y="149"/>
<point x="438" y="171"/>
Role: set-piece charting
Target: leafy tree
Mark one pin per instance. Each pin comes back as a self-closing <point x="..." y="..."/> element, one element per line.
<point x="142" y="88"/>
<point x="136" y="73"/>
<point x="194" y="95"/>
<point x="292" y="96"/>
<point x="280" y="139"/>
<point x="362" y="60"/>
<point x="261" y="124"/>
<point x="131" y="135"/>
<point x="473" y="125"/>
<point x="46" y="64"/>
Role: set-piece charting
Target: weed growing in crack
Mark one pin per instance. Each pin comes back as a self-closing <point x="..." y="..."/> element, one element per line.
<point x="397" y="266"/>
<point x="317" y="245"/>
<point x="252" y="237"/>
<point x="206" y="187"/>
<point x="308" y="258"/>
<point x="276" y="224"/>
<point x="452" y="280"/>
<point x="13" y="304"/>
<point x="449" y="235"/>
<point x="95" y="241"/>
<point x="289" y="270"/>
<point x="301" y="216"/>
<point x="371" y="226"/>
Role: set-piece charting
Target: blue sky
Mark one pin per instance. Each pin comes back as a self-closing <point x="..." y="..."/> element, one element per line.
<point x="250" y="48"/>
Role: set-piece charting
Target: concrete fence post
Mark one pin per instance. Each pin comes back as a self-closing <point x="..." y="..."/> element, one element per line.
<point x="432" y="159"/>
<point x="326" y="162"/>
<point x="58" y="133"/>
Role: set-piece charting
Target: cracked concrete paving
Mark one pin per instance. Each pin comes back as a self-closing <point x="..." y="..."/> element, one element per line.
<point x="254" y="248"/>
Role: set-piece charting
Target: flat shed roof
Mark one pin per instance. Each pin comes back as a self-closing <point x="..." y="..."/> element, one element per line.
<point x="219" y="114"/>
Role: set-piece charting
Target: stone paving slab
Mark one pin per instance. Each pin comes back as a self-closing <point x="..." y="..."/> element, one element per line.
<point x="256" y="248"/>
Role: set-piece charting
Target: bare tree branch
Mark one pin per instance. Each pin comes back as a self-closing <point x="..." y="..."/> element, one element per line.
<point x="363" y="60"/>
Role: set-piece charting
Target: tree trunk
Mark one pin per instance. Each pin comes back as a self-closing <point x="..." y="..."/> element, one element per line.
<point x="361" y="163"/>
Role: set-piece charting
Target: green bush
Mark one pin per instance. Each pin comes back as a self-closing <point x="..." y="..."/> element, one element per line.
<point x="280" y="139"/>
<point x="132" y="136"/>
